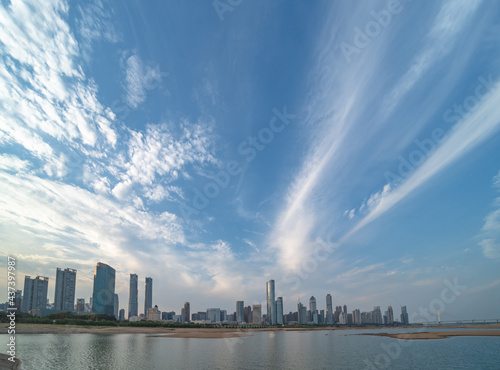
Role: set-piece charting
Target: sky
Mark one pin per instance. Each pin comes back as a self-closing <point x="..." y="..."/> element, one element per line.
<point x="348" y="148"/>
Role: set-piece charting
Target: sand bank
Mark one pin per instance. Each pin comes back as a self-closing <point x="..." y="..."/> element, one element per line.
<point x="440" y="334"/>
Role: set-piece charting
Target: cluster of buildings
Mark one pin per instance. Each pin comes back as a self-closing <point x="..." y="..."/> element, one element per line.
<point x="104" y="300"/>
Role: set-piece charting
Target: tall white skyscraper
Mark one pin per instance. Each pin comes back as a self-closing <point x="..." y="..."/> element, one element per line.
<point x="271" y="306"/>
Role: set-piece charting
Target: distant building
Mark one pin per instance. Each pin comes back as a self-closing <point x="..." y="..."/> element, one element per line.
<point x="345" y="309"/>
<point x="35" y="293"/>
<point x="390" y="315"/>
<point x="271" y="307"/>
<point x="133" y="306"/>
<point x="356" y="317"/>
<point x="64" y="299"/>
<point x="167" y="315"/>
<point x="377" y="315"/>
<point x="18" y="300"/>
<point x="148" y="294"/>
<point x="116" y="306"/>
<point x="302" y="313"/>
<point x="312" y="304"/>
<point x="279" y="311"/>
<point x="247" y="313"/>
<point x="153" y="314"/>
<point x="121" y="315"/>
<point x="404" y="315"/>
<point x="80" y="305"/>
<point x="103" y="297"/>
<point x="187" y="310"/>
<point x="257" y="314"/>
<point x="214" y="314"/>
<point x="240" y="315"/>
<point x="223" y="315"/>
<point x="329" y="310"/>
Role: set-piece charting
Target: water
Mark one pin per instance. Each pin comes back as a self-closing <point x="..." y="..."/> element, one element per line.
<point x="263" y="350"/>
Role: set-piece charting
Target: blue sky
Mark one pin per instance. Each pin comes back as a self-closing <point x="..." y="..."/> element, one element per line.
<point x="342" y="148"/>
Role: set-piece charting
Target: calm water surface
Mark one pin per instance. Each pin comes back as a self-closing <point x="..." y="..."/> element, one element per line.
<point x="264" y="350"/>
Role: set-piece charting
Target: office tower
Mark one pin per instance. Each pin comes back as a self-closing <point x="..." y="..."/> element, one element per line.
<point x="390" y="315"/>
<point x="35" y="293"/>
<point x="240" y="314"/>
<point x="312" y="304"/>
<point x="116" y="307"/>
<point x="148" y="295"/>
<point x="213" y="314"/>
<point x="257" y="313"/>
<point x="279" y="311"/>
<point x="301" y="313"/>
<point x="187" y="310"/>
<point x="404" y="315"/>
<point x="356" y="316"/>
<point x="121" y="315"/>
<point x="103" y="297"/>
<point x="329" y="310"/>
<point x="247" y="313"/>
<point x="377" y="315"/>
<point x="80" y="305"/>
<point x="271" y="306"/>
<point x="322" y="316"/>
<point x="345" y="309"/>
<point x="64" y="299"/>
<point x="133" y="306"/>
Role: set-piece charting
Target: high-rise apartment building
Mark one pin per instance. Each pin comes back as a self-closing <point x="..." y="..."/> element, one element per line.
<point x="390" y="315"/>
<point x="329" y="310"/>
<point x="187" y="310"/>
<point x="257" y="313"/>
<point x="133" y="304"/>
<point x="312" y="304"/>
<point x="279" y="311"/>
<point x="103" y="297"/>
<point x="213" y="314"/>
<point x="64" y="299"/>
<point x="302" y="313"/>
<point x="148" y="295"/>
<point x="35" y="293"/>
<point x="404" y="315"/>
<point x="80" y="305"/>
<point x="116" y="306"/>
<point x="271" y="306"/>
<point x="240" y="314"/>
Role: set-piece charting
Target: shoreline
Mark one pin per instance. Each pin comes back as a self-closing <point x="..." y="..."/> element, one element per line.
<point x="215" y="332"/>
<point x="438" y="334"/>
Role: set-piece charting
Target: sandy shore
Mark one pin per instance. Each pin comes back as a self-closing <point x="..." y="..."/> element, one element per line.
<point x="194" y="332"/>
<point x="440" y="334"/>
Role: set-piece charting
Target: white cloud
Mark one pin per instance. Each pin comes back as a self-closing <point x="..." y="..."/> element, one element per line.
<point x="139" y="78"/>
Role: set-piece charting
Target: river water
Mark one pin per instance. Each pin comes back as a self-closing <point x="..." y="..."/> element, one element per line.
<point x="338" y="349"/>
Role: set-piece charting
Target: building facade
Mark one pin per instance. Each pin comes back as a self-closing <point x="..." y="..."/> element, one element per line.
<point x="240" y="312"/>
<point x="187" y="310"/>
<point x="64" y="298"/>
<point x="271" y="306"/>
<point x="279" y="311"/>
<point x="133" y="306"/>
<point x="257" y="314"/>
<point x="35" y="293"/>
<point x="148" y="295"/>
<point x="103" y="296"/>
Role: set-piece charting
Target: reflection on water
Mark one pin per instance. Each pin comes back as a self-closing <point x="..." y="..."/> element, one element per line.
<point x="265" y="350"/>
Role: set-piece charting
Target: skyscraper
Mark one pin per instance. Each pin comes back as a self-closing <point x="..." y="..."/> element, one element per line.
<point x="329" y="310"/>
<point x="257" y="313"/>
<point x="302" y="313"/>
<point x="404" y="315"/>
<point x="80" y="305"/>
<point x="390" y="315"/>
<point x="35" y="293"/>
<point x="116" y="306"/>
<point x="240" y="314"/>
<point x="271" y="307"/>
<point x="312" y="304"/>
<point x="279" y="311"/>
<point x="148" y="295"/>
<point x="213" y="314"/>
<point x="187" y="310"/>
<point x="64" y="299"/>
<point x="103" y="297"/>
<point x="133" y="307"/>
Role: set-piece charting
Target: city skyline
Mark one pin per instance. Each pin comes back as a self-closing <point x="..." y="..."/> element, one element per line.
<point x="346" y="147"/>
